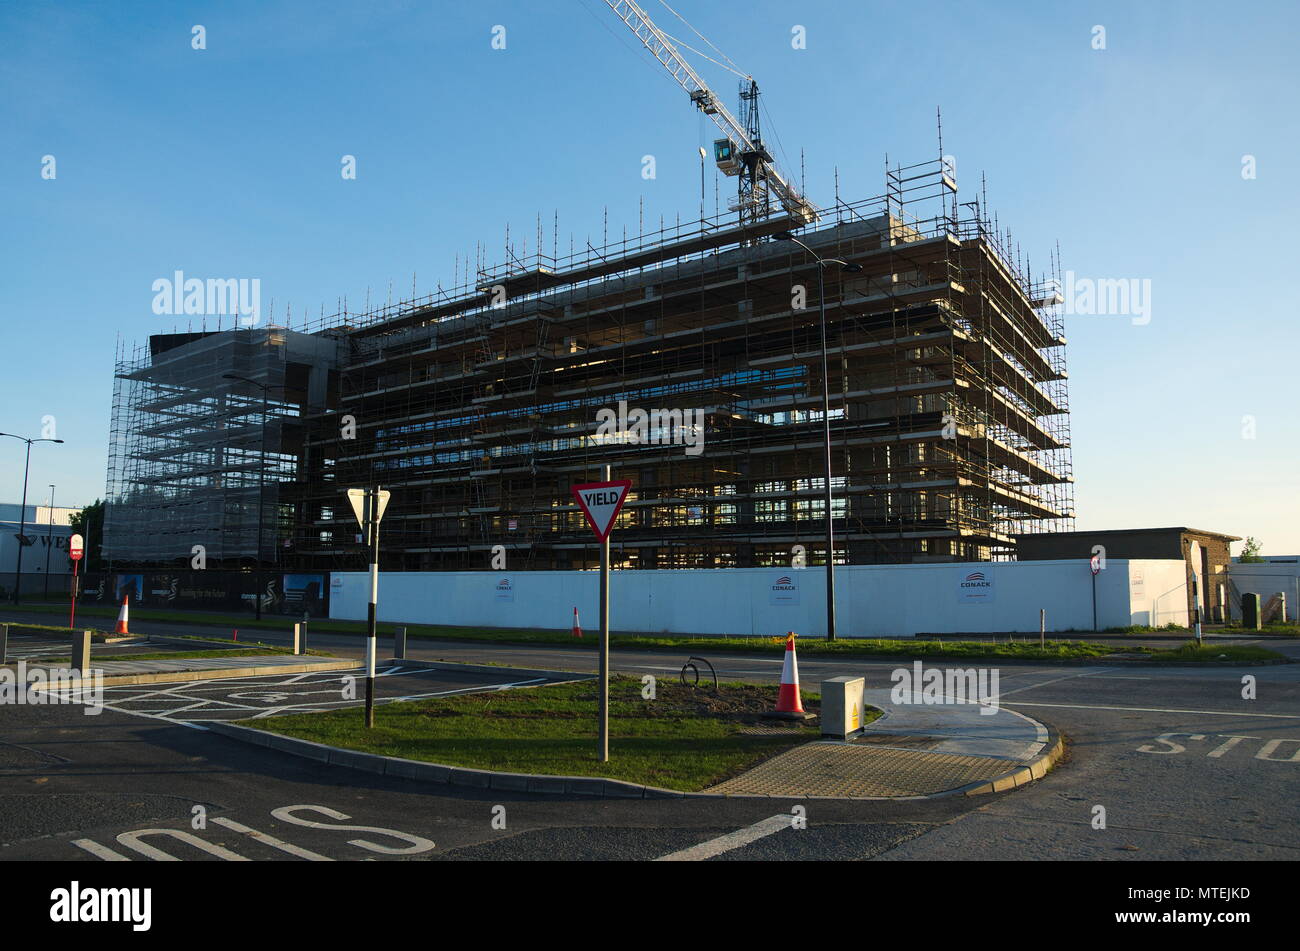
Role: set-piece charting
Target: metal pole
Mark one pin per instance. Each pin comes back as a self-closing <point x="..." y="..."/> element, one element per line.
<point x="22" y="524"/>
<point x="49" y="538"/>
<point x="604" y="641"/>
<point x="826" y="427"/>
<point x="373" y="528"/>
<point x="261" y="485"/>
<point x="1042" y="627"/>
<point x="72" y="608"/>
<point x="1094" y="602"/>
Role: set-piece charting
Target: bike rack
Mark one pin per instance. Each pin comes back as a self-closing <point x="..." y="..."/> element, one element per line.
<point x="689" y="665"/>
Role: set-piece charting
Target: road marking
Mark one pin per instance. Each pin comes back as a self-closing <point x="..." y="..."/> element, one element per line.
<point x="732" y="840"/>
<point x="1057" y="680"/>
<point x="100" y="851"/>
<point x="272" y="841"/>
<point x="1232" y="741"/>
<point x="132" y="840"/>
<point x="1208" y="713"/>
<point x="418" y="843"/>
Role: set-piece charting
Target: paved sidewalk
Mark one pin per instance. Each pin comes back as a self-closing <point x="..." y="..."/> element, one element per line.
<point x="124" y="672"/>
<point x="911" y="751"/>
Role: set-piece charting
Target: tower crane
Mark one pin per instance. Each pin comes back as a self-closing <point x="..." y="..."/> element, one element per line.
<point x="740" y="152"/>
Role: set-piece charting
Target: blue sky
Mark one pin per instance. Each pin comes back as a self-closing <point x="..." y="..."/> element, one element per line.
<point x="225" y="162"/>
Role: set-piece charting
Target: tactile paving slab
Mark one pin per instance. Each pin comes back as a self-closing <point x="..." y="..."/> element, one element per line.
<point x="841" y="769"/>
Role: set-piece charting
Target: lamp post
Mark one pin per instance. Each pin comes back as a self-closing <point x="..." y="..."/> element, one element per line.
<point x="846" y="267"/>
<point x="261" y="483"/>
<point x="49" y="540"/>
<point x="22" y="513"/>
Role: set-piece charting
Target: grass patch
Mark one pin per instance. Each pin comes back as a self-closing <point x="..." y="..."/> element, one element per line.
<point x="1171" y="627"/>
<point x="684" y="739"/>
<point x="1221" y="653"/>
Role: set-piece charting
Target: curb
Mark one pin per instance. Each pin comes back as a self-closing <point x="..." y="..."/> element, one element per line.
<point x="587" y="785"/>
<point x="1023" y="775"/>
<point x="186" y="676"/>
<point x="450" y="775"/>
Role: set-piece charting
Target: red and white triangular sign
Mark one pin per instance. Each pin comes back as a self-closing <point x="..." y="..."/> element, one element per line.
<point x="601" y="502"/>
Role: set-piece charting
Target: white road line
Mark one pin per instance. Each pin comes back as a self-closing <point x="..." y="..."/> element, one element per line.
<point x="272" y="841"/>
<point x="1208" y="713"/>
<point x="1044" y="683"/>
<point x="100" y="851"/>
<point x="732" y="840"/>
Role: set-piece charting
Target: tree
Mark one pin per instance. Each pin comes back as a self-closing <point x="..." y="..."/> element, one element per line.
<point x="1250" y="552"/>
<point x="89" y="524"/>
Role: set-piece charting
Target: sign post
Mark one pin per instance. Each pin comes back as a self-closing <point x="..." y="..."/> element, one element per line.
<point x="600" y="503"/>
<point x="368" y="506"/>
<point x="1095" y="565"/>
<point x="76" y="548"/>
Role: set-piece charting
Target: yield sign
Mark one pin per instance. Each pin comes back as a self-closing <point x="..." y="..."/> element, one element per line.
<point x="358" y="499"/>
<point x="601" y="502"/>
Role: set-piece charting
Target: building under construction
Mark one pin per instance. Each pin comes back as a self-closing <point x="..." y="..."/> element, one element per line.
<point x="479" y="407"/>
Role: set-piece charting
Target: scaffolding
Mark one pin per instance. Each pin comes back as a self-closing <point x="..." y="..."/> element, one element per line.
<point x="205" y="432"/>
<point x="478" y="407"/>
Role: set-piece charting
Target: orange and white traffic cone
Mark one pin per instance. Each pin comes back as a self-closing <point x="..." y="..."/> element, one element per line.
<point x="787" y="700"/>
<point x="121" y="616"/>
<point x="577" y="628"/>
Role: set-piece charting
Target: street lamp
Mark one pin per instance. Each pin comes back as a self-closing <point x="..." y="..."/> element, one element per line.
<point x="49" y="539"/>
<point x="261" y="481"/>
<point x="22" y="516"/>
<point x="845" y="267"/>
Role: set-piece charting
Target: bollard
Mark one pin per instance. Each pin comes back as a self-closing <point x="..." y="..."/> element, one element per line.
<point x="1250" y="611"/>
<point x="297" y="638"/>
<point x="1042" y="627"/>
<point x="1281" y="607"/>
<point x="81" y="652"/>
<point x="399" y="644"/>
<point x="4" y="643"/>
<point x="305" y="618"/>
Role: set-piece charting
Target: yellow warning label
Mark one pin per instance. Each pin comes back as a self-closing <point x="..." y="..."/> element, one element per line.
<point x="854" y="722"/>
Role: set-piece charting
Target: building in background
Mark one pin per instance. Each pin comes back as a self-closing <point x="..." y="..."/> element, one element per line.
<point x="479" y="407"/>
<point x="45" y="529"/>
<point x="1207" y="555"/>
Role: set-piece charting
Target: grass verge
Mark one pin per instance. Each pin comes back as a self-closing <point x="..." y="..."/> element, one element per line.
<point x="684" y="739"/>
<point x="1217" y="653"/>
<point x="1026" y="649"/>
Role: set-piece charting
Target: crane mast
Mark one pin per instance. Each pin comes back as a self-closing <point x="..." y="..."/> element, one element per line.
<point x="740" y="152"/>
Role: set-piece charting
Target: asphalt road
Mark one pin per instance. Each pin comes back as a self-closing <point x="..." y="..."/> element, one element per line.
<point x="1183" y="766"/>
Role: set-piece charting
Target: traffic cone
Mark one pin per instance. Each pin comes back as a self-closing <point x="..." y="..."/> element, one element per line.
<point x="577" y="628"/>
<point x="121" y="616"/>
<point x="787" y="700"/>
